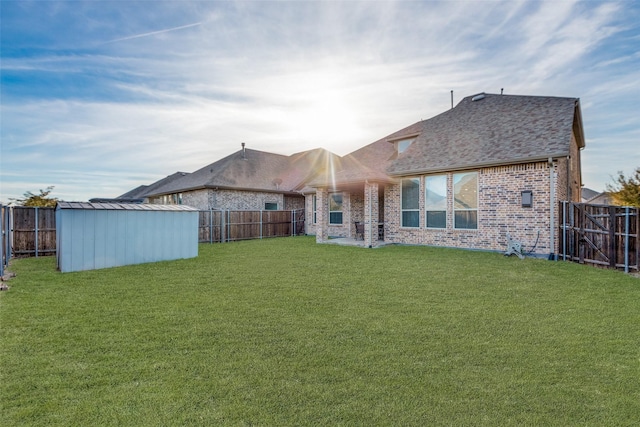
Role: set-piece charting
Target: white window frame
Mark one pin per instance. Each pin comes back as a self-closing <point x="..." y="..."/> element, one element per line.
<point x="403" y="210"/>
<point x="341" y="211"/>
<point x="314" y="201"/>
<point x="426" y="201"/>
<point x="474" y="209"/>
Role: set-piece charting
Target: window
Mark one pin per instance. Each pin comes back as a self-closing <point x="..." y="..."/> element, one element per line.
<point x="465" y="200"/>
<point x="315" y="209"/>
<point x="410" y="200"/>
<point x="435" y="201"/>
<point x="335" y="208"/>
<point x="403" y="144"/>
<point x="270" y="206"/>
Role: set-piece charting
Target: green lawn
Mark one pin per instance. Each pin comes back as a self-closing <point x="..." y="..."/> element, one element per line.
<point x="286" y="332"/>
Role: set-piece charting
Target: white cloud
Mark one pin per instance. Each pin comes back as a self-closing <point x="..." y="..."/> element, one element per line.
<point x="285" y="77"/>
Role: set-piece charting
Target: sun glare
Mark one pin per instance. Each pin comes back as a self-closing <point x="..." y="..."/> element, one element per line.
<point x="324" y="113"/>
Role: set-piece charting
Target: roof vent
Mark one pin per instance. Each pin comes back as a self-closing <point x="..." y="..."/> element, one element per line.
<point x="478" y="97"/>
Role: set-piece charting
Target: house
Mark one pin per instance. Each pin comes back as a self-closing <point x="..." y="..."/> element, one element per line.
<point x="587" y="194"/>
<point x="592" y="197"/>
<point x="244" y="180"/>
<point x="492" y="165"/>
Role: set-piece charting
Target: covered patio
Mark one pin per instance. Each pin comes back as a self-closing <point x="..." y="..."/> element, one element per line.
<point x="351" y="210"/>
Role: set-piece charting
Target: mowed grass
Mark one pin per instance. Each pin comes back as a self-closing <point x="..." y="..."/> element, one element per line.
<point x="286" y="332"/>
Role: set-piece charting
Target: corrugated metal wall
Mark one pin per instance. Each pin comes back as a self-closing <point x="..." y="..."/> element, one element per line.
<point x="101" y="235"/>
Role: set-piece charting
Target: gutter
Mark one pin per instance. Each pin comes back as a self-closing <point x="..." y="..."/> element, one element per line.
<point x="480" y="165"/>
<point x="217" y="187"/>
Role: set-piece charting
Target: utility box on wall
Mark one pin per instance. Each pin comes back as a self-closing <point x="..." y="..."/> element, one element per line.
<point x="101" y="235"/>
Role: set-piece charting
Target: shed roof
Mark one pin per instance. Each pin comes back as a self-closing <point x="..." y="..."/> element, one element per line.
<point x="122" y="206"/>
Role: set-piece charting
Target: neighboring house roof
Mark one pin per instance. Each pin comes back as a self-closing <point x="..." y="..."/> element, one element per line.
<point x="587" y="193"/>
<point x="136" y="193"/>
<point x="488" y="129"/>
<point x="603" y="198"/>
<point x="144" y="190"/>
<point x="254" y="170"/>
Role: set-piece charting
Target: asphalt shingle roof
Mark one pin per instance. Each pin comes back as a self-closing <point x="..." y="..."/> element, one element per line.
<point x="144" y="190"/>
<point x="482" y="130"/>
<point x="253" y="170"/>
<point x="492" y="130"/>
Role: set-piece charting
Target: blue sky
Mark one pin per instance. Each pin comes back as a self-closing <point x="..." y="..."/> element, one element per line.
<point x="98" y="97"/>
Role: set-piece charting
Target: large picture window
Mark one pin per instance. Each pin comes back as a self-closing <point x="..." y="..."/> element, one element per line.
<point x="435" y="201"/>
<point x="410" y="200"/>
<point x="465" y="200"/>
<point x="335" y="208"/>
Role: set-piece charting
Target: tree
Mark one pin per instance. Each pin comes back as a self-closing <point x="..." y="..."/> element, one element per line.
<point x="41" y="200"/>
<point x="626" y="191"/>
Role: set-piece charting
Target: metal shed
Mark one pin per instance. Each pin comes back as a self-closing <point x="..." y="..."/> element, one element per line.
<point x="101" y="235"/>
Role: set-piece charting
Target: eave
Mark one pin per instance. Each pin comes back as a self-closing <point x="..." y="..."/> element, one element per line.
<point x="462" y="167"/>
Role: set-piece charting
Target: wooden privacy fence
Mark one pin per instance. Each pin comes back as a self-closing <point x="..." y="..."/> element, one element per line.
<point x="226" y="225"/>
<point x="33" y="231"/>
<point x="601" y="235"/>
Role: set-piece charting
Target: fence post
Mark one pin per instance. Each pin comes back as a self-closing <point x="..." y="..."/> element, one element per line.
<point x="261" y="213"/>
<point x="223" y="226"/>
<point x="564" y="230"/>
<point x="613" y="224"/>
<point x="36" y="238"/>
<point x="626" y="239"/>
<point x="2" y="208"/>
<point x="9" y="227"/>
<point x="210" y="225"/>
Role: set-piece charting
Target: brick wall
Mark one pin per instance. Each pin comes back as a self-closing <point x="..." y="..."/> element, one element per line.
<point x="205" y="199"/>
<point x="345" y="229"/>
<point x="499" y="211"/>
<point x="310" y="226"/>
<point x="293" y="203"/>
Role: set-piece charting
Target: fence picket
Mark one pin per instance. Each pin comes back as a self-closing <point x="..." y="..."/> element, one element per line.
<point x="31" y="231"/>
<point x="606" y="236"/>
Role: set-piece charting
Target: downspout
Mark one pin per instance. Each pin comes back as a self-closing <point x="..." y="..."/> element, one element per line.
<point x="370" y="212"/>
<point x="569" y="193"/>
<point x="552" y="201"/>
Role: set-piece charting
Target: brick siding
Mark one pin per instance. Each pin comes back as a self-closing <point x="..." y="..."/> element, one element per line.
<point x="205" y="199"/>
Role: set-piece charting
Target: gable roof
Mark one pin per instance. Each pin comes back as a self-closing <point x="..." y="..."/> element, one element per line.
<point x="488" y="129"/>
<point x="482" y="130"/>
<point x="143" y="191"/>
<point x="249" y="169"/>
<point x="587" y="193"/>
<point x="368" y="163"/>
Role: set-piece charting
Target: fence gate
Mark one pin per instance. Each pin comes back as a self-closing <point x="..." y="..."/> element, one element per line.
<point x="601" y="235"/>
